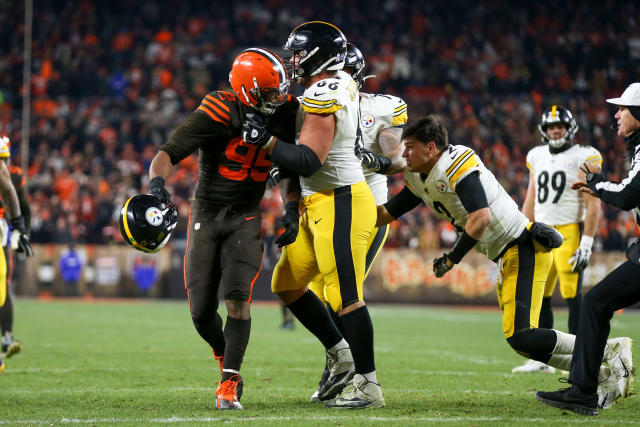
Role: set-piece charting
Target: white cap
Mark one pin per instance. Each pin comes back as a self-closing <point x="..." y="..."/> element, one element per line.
<point x="630" y="97"/>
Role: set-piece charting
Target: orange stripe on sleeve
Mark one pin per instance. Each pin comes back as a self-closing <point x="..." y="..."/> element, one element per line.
<point x="217" y="102"/>
<point x="211" y="114"/>
<point x="216" y="109"/>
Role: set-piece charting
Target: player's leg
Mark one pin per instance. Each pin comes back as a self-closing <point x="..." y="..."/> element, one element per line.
<point x="343" y="268"/>
<point x="241" y="252"/>
<point x="570" y="282"/>
<point x="3" y="294"/>
<point x="10" y="345"/>
<point x="202" y="276"/>
<point x="295" y="269"/>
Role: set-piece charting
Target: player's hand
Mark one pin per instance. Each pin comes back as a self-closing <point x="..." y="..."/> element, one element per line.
<point x="274" y="176"/>
<point x="289" y="222"/>
<point x="19" y="239"/>
<point x="254" y="130"/>
<point x="592" y="167"/>
<point x="156" y="188"/>
<point x="441" y="266"/>
<point x="580" y="259"/>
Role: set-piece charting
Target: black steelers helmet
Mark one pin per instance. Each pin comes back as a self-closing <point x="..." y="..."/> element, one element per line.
<point x="146" y="222"/>
<point x="553" y="115"/>
<point x="354" y="64"/>
<point x="315" y="46"/>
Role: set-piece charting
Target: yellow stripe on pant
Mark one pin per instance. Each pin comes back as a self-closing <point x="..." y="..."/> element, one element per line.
<point x="335" y="231"/>
<point x="3" y="278"/>
<point x="522" y="273"/>
<point x="570" y="282"/>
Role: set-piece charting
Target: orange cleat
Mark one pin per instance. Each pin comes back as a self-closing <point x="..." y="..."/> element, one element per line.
<point x="226" y="394"/>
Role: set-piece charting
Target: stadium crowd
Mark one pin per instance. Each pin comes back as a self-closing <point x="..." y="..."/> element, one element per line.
<point x="113" y="81"/>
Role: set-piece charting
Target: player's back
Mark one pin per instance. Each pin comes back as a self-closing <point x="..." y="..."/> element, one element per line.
<point x="338" y="96"/>
<point x="553" y="174"/>
<point x="438" y="190"/>
<point x="379" y="112"/>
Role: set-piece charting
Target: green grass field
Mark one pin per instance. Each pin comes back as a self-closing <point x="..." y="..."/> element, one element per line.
<point x="142" y="362"/>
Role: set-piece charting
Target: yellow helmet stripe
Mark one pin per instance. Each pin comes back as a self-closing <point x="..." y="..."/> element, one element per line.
<point x="126" y="226"/>
<point x="554" y="111"/>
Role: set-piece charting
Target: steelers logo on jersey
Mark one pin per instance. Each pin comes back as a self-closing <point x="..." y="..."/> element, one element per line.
<point x="441" y="186"/>
<point x="368" y="120"/>
<point x="153" y="216"/>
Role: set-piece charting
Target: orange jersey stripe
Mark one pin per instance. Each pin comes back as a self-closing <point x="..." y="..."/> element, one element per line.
<point x="218" y="103"/>
<point x="218" y="111"/>
<point x="211" y="114"/>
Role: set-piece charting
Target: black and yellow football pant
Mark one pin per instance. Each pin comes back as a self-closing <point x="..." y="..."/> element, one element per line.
<point x="522" y="272"/>
<point x="3" y="278"/>
<point x="378" y="237"/>
<point x="335" y="230"/>
<point x="570" y="282"/>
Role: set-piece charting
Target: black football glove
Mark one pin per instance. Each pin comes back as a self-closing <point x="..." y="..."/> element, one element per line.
<point x="373" y="161"/>
<point x="290" y="224"/>
<point x="274" y="176"/>
<point x="254" y="130"/>
<point x="440" y="266"/>
<point x="19" y="239"/>
<point x="156" y="188"/>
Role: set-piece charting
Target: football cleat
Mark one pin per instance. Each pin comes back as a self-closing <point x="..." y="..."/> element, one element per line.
<point x="341" y="370"/>
<point x="533" y="366"/>
<point x="570" y="399"/>
<point x="620" y="359"/>
<point x="323" y="380"/>
<point x="608" y="389"/>
<point x="358" y="394"/>
<point x="1" y="366"/>
<point x="10" y="346"/>
<point x="226" y="394"/>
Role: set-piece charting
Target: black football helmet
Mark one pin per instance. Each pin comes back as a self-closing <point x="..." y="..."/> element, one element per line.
<point x="553" y="115"/>
<point x="315" y="46"/>
<point x="146" y="223"/>
<point x="354" y="64"/>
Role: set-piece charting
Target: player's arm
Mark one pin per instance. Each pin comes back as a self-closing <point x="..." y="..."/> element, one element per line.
<point x="390" y="161"/>
<point x="183" y="141"/>
<point x="19" y="239"/>
<point x="623" y="195"/>
<point x="291" y="194"/>
<point x="474" y="199"/>
<point x="529" y="199"/>
<point x="397" y="206"/>
<point x="24" y="208"/>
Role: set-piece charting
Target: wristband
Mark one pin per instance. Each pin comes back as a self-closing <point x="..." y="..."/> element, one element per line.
<point x="156" y="182"/>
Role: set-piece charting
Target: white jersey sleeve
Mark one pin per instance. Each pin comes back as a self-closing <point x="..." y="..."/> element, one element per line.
<point x="337" y="96"/>
<point x="555" y="202"/>
<point x="438" y="190"/>
<point x="377" y="113"/>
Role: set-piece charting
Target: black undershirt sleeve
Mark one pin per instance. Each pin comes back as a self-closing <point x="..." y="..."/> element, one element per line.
<point x="402" y="202"/>
<point x="471" y="192"/>
<point x="191" y="134"/>
<point x="297" y="158"/>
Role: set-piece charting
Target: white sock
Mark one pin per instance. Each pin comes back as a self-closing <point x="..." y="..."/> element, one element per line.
<point x="342" y="344"/>
<point x="564" y="343"/>
<point x="560" y="361"/>
<point x="371" y="377"/>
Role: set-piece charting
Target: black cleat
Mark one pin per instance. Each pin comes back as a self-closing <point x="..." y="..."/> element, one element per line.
<point x="571" y="399"/>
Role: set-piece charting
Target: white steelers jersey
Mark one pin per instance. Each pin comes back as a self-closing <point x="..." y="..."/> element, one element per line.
<point x="337" y="96"/>
<point x="438" y="190"/>
<point x="379" y="112"/>
<point x="555" y="202"/>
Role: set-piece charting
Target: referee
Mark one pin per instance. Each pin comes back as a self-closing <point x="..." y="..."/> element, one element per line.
<point x="619" y="289"/>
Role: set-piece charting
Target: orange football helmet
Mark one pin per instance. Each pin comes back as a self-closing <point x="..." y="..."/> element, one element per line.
<point x="259" y="79"/>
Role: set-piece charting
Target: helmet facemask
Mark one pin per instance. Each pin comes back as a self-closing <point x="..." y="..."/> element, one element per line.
<point x="268" y="99"/>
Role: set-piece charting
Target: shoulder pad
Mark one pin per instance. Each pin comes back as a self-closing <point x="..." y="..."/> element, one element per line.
<point x="392" y="107"/>
<point x="461" y="161"/>
<point x="218" y="105"/>
<point x="592" y="154"/>
<point x="323" y="97"/>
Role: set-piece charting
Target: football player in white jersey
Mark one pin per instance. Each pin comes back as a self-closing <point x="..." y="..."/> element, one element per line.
<point x="382" y="118"/>
<point x="338" y="219"/>
<point x="453" y="181"/>
<point x="553" y="167"/>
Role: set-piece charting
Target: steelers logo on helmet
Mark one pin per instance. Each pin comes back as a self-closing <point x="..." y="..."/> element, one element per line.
<point x="146" y="222"/>
<point x="555" y="115"/>
<point x="154" y="216"/>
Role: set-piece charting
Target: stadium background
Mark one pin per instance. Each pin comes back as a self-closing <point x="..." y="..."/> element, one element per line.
<point x="110" y="80"/>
